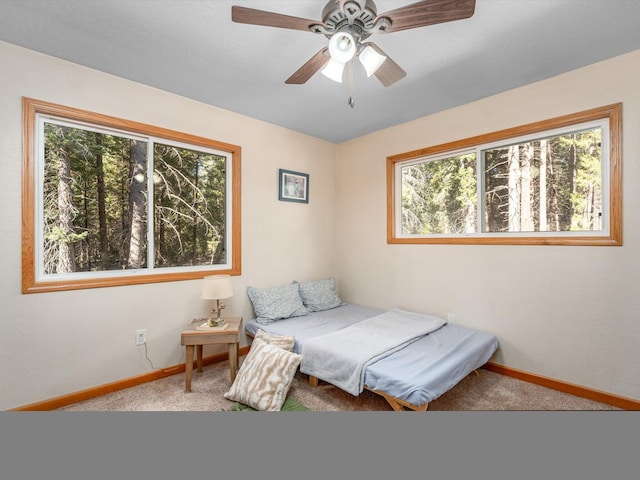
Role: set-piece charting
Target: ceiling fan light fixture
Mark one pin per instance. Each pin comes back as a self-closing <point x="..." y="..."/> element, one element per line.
<point x="342" y="47"/>
<point x="333" y="70"/>
<point x="347" y="24"/>
<point x="371" y="60"/>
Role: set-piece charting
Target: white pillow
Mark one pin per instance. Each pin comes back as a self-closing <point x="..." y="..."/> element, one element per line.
<point x="320" y="295"/>
<point x="283" y="341"/>
<point x="264" y="377"/>
<point x="276" y="303"/>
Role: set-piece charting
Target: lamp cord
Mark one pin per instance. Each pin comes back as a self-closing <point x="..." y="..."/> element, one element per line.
<point x="153" y="367"/>
<point x="146" y="355"/>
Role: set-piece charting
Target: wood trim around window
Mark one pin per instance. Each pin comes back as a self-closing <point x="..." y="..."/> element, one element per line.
<point x="31" y="108"/>
<point x="611" y="112"/>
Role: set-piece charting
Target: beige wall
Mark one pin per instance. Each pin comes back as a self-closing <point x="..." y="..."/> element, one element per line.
<point x="53" y="344"/>
<point x="570" y="313"/>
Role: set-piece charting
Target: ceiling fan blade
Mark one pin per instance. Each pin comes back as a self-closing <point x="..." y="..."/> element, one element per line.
<point x="389" y="72"/>
<point x="309" y="69"/>
<point x="270" y="19"/>
<point x="428" y="12"/>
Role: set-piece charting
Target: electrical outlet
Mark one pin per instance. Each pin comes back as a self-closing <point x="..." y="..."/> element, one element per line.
<point x="451" y="318"/>
<point x="141" y="336"/>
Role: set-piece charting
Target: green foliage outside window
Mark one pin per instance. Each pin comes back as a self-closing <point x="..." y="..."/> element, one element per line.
<point x="552" y="182"/>
<point x="440" y="196"/>
<point x="548" y="185"/>
<point x="96" y="203"/>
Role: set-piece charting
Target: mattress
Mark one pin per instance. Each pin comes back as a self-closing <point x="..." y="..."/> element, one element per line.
<point x="418" y="373"/>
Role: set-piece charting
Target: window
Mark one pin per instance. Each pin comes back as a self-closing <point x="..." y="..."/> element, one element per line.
<point x="556" y="182"/>
<point x="114" y="202"/>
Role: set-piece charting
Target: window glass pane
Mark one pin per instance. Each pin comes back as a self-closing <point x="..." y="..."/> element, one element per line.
<point x="108" y="202"/>
<point x="439" y="196"/>
<point x="94" y="201"/>
<point x="189" y="207"/>
<point x="549" y="185"/>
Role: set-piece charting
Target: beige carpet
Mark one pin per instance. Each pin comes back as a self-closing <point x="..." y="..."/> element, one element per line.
<point x="481" y="390"/>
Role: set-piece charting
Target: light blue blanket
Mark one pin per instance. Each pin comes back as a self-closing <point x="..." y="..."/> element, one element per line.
<point x="341" y="357"/>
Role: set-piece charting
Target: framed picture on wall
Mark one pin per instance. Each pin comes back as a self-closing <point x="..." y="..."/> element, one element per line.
<point x="293" y="186"/>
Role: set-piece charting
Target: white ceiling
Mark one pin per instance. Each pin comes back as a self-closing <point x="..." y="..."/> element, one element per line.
<point x="192" y="48"/>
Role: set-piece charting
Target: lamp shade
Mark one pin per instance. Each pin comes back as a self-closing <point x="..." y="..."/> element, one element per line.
<point x="342" y="47"/>
<point x="371" y="59"/>
<point x="333" y="70"/>
<point x="215" y="287"/>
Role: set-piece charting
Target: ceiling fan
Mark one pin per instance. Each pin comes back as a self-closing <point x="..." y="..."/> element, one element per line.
<point x="348" y="24"/>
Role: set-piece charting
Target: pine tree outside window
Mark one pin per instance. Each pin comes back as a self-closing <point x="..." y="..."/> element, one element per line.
<point x="556" y="182"/>
<point x="111" y="202"/>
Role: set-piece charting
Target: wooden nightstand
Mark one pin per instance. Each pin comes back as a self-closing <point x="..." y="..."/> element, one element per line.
<point x="191" y="338"/>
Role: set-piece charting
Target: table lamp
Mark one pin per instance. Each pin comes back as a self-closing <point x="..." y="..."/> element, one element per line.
<point x="216" y="287"/>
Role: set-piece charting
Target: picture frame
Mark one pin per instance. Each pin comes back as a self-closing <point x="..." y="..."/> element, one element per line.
<point x="293" y="186"/>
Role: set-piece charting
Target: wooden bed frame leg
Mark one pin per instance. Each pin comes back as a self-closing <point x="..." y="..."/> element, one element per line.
<point x="400" y="405"/>
<point x="396" y="404"/>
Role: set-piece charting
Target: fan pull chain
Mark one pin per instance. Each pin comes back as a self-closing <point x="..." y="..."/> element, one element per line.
<point x="350" y="101"/>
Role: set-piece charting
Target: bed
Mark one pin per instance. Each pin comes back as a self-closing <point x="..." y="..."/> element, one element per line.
<point x="408" y="376"/>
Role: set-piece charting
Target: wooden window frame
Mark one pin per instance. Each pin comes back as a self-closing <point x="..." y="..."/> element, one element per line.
<point x="30" y="284"/>
<point x="611" y="112"/>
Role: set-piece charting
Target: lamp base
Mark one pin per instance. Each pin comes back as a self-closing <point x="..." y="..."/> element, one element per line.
<point x="215" y="322"/>
<point x="214" y="316"/>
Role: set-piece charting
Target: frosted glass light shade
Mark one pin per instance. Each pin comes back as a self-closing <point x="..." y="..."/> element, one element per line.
<point x="215" y="287"/>
<point x="342" y="47"/>
<point x="333" y="70"/>
<point x="371" y="60"/>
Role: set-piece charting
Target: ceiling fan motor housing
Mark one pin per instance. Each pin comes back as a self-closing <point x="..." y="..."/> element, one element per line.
<point x="357" y="17"/>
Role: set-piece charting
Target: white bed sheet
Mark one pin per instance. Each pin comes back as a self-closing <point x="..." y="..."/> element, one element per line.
<point x="418" y="373"/>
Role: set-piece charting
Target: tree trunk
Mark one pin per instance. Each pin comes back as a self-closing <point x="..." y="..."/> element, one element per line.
<point x="526" y="213"/>
<point x="102" y="214"/>
<point x="196" y="217"/>
<point x="220" y="253"/>
<point x="66" y="253"/>
<point x="84" y="255"/>
<point x="588" y="220"/>
<point x="553" y="202"/>
<point x="543" y="186"/>
<point x="137" y="204"/>
<point x="572" y="184"/>
<point x="514" y="188"/>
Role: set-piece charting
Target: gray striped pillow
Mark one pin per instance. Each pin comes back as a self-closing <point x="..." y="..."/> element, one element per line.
<point x="264" y="377"/>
